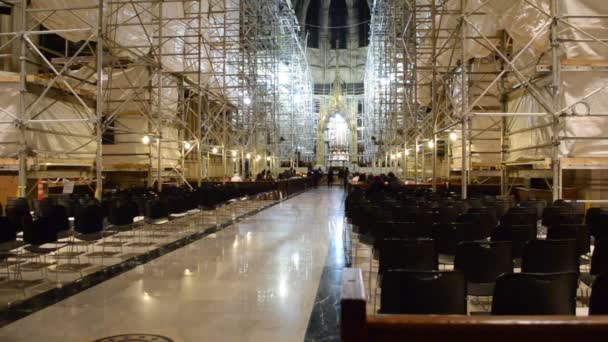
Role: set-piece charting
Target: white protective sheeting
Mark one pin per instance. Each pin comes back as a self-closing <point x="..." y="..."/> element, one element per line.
<point x="480" y="24"/>
<point x="528" y="23"/>
<point x="585" y="28"/>
<point x="61" y="138"/>
<point x="577" y="86"/>
<point x="540" y="136"/>
<point x="127" y="91"/>
<point x="127" y="98"/>
<point x="173" y="32"/>
<point x="196" y="62"/>
<point x="127" y="24"/>
<point x="131" y="101"/>
<point x="575" y="90"/>
<point x="129" y="149"/>
<point x="485" y="146"/>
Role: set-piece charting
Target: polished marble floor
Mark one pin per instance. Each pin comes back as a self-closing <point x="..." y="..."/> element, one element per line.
<point x="254" y="281"/>
<point x="30" y="281"/>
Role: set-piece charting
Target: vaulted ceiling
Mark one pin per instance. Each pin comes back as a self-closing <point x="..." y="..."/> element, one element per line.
<point x="301" y="7"/>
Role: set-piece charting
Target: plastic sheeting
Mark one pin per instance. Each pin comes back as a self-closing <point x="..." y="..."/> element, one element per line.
<point x="123" y="22"/>
<point x="173" y="41"/>
<point x="130" y="99"/>
<point x="130" y="26"/>
<point x="197" y="56"/>
<point x="127" y="90"/>
<point x="131" y="31"/>
<point x="528" y="23"/>
<point x="129" y="149"/>
<point x="59" y="137"/>
<point x="539" y="136"/>
<point x="484" y="146"/>
<point x="575" y="90"/>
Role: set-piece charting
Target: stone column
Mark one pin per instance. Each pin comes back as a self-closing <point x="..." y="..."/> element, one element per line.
<point x="352" y="21"/>
<point x="324" y="23"/>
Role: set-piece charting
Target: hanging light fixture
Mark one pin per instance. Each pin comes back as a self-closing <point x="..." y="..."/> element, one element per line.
<point x="233" y="154"/>
<point x="431" y="144"/>
<point x="453" y="136"/>
<point x="187" y="145"/>
<point x="214" y="150"/>
<point x="145" y="140"/>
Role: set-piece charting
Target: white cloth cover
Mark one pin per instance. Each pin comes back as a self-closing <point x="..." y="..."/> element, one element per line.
<point x="59" y="137"/>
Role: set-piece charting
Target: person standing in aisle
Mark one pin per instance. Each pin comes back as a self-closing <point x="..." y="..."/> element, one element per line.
<point x="346" y="173"/>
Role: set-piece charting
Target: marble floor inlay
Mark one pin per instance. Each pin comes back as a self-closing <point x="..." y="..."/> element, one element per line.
<point x="255" y="280"/>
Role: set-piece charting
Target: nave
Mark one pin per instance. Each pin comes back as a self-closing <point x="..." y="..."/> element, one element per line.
<point x="256" y="280"/>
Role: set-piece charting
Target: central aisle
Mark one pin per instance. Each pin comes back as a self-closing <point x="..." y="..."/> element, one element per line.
<point x="254" y="281"/>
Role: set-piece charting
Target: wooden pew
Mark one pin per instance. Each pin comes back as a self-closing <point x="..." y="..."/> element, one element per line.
<point x="356" y="326"/>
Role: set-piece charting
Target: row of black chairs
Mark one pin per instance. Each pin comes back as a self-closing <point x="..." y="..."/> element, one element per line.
<point x="51" y="219"/>
<point x="485" y="235"/>
<point x="481" y="261"/>
<point x="445" y="292"/>
<point x="450" y="221"/>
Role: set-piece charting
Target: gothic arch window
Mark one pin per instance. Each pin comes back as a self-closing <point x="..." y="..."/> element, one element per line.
<point x="364" y="18"/>
<point x="312" y="23"/>
<point x="338" y="14"/>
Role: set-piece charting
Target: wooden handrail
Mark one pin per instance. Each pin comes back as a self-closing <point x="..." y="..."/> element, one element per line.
<point x="352" y="291"/>
<point x="357" y="326"/>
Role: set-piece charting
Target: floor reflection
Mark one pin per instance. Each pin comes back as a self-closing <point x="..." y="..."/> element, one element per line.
<point x="254" y="281"/>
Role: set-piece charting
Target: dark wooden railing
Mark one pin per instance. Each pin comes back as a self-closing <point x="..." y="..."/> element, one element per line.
<point x="356" y="326"/>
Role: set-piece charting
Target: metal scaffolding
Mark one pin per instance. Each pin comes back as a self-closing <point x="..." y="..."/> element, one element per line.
<point x="384" y="118"/>
<point x="183" y="90"/>
<point x="506" y="90"/>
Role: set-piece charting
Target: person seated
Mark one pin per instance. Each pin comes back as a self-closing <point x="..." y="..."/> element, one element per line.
<point x="261" y="176"/>
<point x="269" y="177"/>
<point x="362" y="178"/>
<point x="393" y="182"/>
